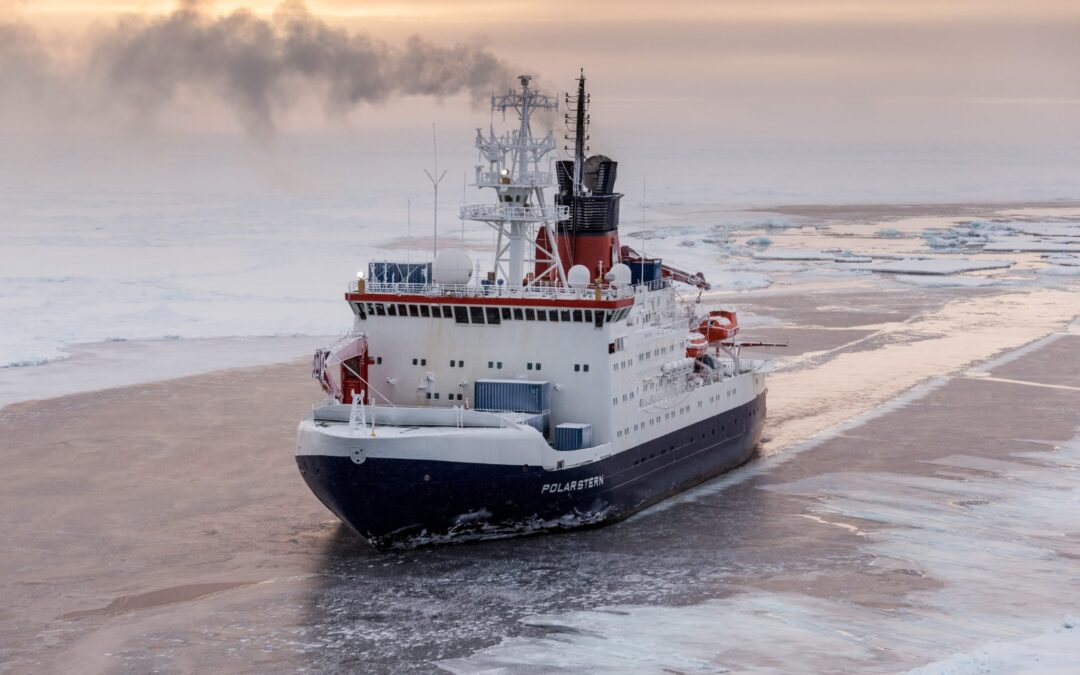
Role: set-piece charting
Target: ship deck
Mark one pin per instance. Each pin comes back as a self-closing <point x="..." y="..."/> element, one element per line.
<point x="500" y="294"/>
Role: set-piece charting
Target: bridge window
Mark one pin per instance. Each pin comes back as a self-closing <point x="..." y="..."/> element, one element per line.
<point x="553" y="314"/>
<point x="577" y="315"/>
<point x="461" y="314"/>
<point x="447" y="311"/>
<point x="564" y="314"/>
<point x="414" y="310"/>
<point x="391" y="310"/>
<point x="588" y="316"/>
<point x="492" y="314"/>
<point x="476" y="314"/>
<point x="541" y="315"/>
<point x="425" y="311"/>
<point x="401" y="311"/>
<point x="518" y="314"/>
<point x="506" y="313"/>
<point x="586" y="367"/>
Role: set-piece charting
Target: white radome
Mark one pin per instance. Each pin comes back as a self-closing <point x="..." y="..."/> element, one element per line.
<point x="619" y="276"/>
<point x="452" y="266"/>
<point x="578" y="276"/>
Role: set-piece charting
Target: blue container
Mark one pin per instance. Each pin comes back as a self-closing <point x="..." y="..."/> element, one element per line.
<point x="399" y="273"/>
<point x="573" y="436"/>
<point x="644" y="271"/>
<point x="525" y="396"/>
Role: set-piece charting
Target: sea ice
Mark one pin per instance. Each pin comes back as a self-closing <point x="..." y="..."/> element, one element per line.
<point x="1032" y="246"/>
<point x="934" y="266"/>
<point x="793" y="254"/>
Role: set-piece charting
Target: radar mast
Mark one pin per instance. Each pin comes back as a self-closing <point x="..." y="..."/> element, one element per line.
<point x="514" y="167"/>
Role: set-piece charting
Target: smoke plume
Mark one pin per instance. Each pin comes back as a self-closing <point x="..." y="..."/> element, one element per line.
<point x="259" y="68"/>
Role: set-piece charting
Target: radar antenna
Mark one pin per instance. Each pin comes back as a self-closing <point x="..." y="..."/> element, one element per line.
<point x="515" y="169"/>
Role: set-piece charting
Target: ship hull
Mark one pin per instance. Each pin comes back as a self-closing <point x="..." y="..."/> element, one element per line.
<point x="403" y="503"/>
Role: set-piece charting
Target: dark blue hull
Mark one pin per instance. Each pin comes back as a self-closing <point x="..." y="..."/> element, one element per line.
<point x="403" y="503"/>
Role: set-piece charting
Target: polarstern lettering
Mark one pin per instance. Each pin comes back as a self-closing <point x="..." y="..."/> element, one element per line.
<point x="583" y="484"/>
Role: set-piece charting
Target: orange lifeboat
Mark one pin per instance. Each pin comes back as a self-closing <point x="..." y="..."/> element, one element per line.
<point x="696" y="345"/>
<point x="342" y="370"/>
<point x="720" y="325"/>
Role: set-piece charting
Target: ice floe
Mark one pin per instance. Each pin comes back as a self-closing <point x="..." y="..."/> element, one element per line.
<point x="934" y="266"/>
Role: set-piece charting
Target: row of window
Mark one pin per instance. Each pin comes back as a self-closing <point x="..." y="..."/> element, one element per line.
<point x="483" y="315"/>
<point x="653" y="420"/>
<point x="625" y="398"/>
<point x="669" y="349"/>
<point x="671" y="415"/>
<point x="449" y="397"/>
<point x="497" y="365"/>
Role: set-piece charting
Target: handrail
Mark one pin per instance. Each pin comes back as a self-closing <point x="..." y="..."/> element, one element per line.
<point x="494" y="291"/>
<point x="494" y="212"/>
<point x="528" y="179"/>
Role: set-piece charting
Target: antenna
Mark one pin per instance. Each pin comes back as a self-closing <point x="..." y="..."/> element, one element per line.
<point x="435" y="185"/>
<point x="408" y="230"/>
<point x="580" y="124"/>
<point x="464" y="183"/>
<point x="644" y="205"/>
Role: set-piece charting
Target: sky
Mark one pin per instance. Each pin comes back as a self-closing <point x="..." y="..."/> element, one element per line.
<point x="920" y="72"/>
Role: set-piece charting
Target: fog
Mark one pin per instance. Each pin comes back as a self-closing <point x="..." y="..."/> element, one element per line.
<point x="981" y="83"/>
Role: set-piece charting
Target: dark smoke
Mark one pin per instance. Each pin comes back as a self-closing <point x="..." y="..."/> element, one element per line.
<point x="259" y="68"/>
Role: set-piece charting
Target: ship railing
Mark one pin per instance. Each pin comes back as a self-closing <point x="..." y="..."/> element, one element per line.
<point x="528" y="179"/>
<point x="493" y="291"/>
<point x="654" y="285"/>
<point x="500" y="212"/>
<point x="685" y="384"/>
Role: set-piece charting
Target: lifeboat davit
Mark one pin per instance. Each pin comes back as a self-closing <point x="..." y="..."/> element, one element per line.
<point x="719" y="326"/>
<point x="696" y="345"/>
<point x="343" y="369"/>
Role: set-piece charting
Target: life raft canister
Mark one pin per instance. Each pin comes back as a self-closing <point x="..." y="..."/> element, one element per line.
<point x="720" y="325"/>
<point x="696" y="345"/>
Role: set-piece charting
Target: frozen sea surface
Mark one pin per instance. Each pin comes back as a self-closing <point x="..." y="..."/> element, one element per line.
<point x="914" y="504"/>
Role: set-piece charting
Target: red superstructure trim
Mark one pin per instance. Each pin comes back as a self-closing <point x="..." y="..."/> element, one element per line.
<point x="496" y="300"/>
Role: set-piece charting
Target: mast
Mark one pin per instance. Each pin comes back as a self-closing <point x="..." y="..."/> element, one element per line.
<point x="515" y="170"/>
<point x="579" y="137"/>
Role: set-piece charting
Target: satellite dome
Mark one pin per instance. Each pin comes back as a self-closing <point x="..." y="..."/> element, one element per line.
<point x="452" y="266"/>
<point x="578" y="276"/>
<point x="619" y="276"/>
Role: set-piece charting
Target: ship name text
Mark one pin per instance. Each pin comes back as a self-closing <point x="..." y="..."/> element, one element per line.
<point x="574" y="485"/>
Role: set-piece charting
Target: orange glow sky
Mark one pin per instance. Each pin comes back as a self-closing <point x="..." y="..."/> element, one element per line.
<point x="858" y="70"/>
